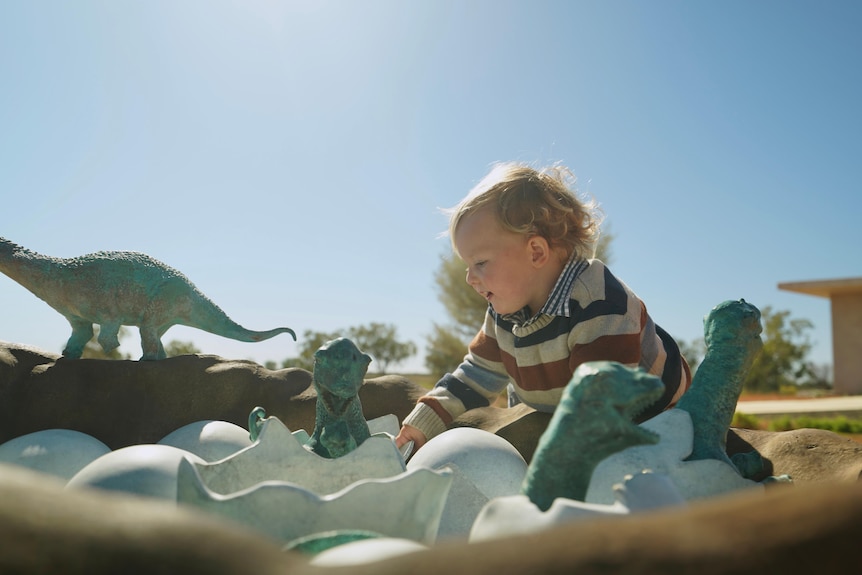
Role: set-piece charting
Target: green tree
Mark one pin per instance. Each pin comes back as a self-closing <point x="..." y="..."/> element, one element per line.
<point x="311" y="341"/>
<point x="693" y="351"/>
<point x="378" y="340"/>
<point x="176" y="347"/>
<point x="782" y="361"/>
<point x="447" y="343"/>
<point x="445" y="351"/>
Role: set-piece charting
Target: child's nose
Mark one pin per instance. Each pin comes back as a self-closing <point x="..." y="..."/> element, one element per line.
<point x="471" y="278"/>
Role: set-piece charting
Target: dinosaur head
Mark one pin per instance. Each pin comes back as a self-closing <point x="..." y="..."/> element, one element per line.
<point x="609" y="396"/>
<point x="340" y="367"/>
<point x="734" y="323"/>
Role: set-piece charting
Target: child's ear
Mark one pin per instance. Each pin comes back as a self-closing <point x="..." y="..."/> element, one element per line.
<point x="540" y="250"/>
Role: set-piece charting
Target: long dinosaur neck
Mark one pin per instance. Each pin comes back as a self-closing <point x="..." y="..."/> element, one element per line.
<point x="715" y="389"/>
<point x="30" y="269"/>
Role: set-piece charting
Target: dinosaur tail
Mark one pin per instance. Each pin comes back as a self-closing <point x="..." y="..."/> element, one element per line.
<point x="207" y="316"/>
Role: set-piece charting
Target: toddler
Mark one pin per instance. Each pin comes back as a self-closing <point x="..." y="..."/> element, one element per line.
<point x="528" y="243"/>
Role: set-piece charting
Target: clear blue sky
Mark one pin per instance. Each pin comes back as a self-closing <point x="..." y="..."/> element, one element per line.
<point x="290" y="157"/>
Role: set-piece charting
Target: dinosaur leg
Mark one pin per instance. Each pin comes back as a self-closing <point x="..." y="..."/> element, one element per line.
<point x="109" y="336"/>
<point x="161" y="351"/>
<point x="151" y="344"/>
<point x="82" y="332"/>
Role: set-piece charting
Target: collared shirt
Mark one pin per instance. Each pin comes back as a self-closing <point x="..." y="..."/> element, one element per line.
<point x="558" y="300"/>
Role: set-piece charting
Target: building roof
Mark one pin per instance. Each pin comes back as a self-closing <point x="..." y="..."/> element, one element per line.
<point x="825" y="288"/>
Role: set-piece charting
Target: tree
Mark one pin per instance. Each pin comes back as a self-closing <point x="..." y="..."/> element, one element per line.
<point x="176" y="347"/>
<point x="378" y="340"/>
<point x="311" y="342"/>
<point x="447" y="343"/>
<point x="781" y="363"/>
<point x="693" y="352"/>
<point x="444" y="346"/>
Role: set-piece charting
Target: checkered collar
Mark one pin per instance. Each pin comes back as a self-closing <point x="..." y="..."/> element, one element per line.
<point x="558" y="302"/>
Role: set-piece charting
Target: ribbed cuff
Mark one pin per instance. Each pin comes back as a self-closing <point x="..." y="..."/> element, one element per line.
<point x="425" y="420"/>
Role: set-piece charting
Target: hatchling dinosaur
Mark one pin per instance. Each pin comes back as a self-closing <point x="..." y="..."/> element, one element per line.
<point x="594" y="419"/>
<point x="732" y="335"/>
<point x="693" y="434"/>
<point x="339" y="372"/>
<point x="114" y="288"/>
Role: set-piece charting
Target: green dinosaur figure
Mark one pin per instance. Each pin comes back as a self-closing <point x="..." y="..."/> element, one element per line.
<point x="594" y="419"/>
<point x="339" y="372"/>
<point x="120" y="288"/>
<point x="732" y="336"/>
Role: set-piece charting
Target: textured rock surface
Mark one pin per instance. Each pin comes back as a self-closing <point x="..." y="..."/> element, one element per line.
<point x="124" y="403"/>
<point x="804" y="454"/>
<point x="46" y="530"/>
<point x="791" y="530"/>
<point x="812" y="526"/>
<point x="807" y="455"/>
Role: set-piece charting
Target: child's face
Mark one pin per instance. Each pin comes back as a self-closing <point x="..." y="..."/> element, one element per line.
<point x="500" y="264"/>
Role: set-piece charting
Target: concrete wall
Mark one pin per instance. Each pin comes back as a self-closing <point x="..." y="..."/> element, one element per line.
<point x="847" y="342"/>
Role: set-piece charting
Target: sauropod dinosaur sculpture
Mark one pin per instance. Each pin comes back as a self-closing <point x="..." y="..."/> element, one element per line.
<point x="114" y="288"/>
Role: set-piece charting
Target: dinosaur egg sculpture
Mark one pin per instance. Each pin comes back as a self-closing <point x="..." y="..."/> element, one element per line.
<point x="408" y="505"/>
<point x="484" y="466"/>
<point x="148" y="470"/>
<point x="58" y="452"/>
<point x="696" y="479"/>
<point x="280" y="487"/>
<point x="491" y="463"/>
<point x="516" y="514"/>
<point x="278" y="454"/>
<point x="209" y="440"/>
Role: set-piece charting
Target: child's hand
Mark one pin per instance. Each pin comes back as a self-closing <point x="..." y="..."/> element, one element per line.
<point x="410" y="433"/>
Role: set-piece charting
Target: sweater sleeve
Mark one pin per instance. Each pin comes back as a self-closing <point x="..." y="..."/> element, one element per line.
<point x="478" y="380"/>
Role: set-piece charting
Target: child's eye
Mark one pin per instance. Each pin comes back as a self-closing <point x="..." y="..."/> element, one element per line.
<point x="481" y="264"/>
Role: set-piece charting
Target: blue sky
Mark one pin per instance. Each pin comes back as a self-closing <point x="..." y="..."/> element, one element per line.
<point x="291" y="157"/>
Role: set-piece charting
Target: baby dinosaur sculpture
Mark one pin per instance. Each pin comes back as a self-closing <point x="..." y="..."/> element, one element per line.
<point x="732" y="336"/>
<point x="593" y="420"/>
<point x="339" y="371"/>
<point x="117" y="288"/>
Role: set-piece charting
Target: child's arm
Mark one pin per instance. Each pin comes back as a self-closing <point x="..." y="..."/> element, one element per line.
<point x="449" y="399"/>
<point x="475" y="383"/>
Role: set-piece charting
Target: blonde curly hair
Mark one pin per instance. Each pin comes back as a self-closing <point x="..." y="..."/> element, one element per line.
<point x="535" y="202"/>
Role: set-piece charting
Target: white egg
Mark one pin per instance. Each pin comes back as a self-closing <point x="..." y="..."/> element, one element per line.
<point x="148" y="470"/>
<point x="58" y="452"/>
<point x="209" y="440"/>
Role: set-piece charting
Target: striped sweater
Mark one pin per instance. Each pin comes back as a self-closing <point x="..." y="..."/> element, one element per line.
<point x="601" y="319"/>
